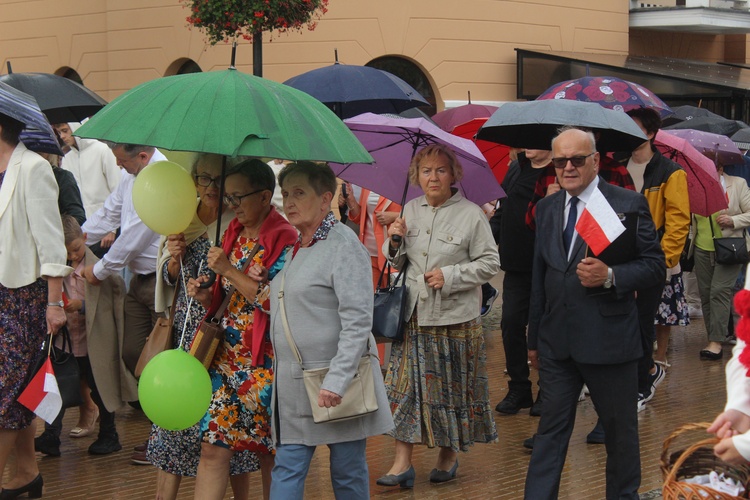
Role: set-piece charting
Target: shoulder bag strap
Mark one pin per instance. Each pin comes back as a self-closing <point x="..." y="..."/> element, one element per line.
<point x="285" y="322"/>
<point x="220" y="311"/>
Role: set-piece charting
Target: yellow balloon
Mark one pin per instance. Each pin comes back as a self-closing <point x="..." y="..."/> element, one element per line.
<point x="164" y="197"/>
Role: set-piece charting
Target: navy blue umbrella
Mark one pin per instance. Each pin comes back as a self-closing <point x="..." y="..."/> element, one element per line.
<point x="37" y="134"/>
<point x="352" y="90"/>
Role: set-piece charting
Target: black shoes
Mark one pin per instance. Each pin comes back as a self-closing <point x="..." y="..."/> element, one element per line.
<point x="529" y="442"/>
<point x="48" y="444"/>
<point x="596" y="436"/>
<point x="513" y="402"/>
<point x="33" y="489"/>
<point x="105" y="444"/>
<point x="443" y="476"/>
<point x="536" y="408"/>
<point x="405" y="479"/>
<point x="711" y="356"/>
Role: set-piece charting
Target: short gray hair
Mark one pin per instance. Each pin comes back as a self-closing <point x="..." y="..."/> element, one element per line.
<point x="586" y="131"/>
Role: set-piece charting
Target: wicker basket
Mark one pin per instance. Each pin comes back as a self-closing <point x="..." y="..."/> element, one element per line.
<point x="695" y="460"/>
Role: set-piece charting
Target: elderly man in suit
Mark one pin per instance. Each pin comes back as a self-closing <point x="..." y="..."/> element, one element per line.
<point x="584" y="320"/>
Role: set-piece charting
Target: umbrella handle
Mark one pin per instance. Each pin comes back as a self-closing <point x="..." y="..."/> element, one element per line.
<point x="211" y="280"/>
<point x="396" y="238"/>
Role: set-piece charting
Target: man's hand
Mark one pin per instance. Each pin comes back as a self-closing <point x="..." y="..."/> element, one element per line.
<point x="534" y="358"/>
<point x="107" y="241"/>
<point x="88" y="274"/>
<point x="74" y="305"/>
<point x="328" y="399"/>
<point x="592" y="272"/>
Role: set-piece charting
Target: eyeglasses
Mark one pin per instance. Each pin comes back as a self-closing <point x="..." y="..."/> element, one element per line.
<point x="576" y="161"/>
<point x="236" y="200"/>
<point x="207" y="180"/>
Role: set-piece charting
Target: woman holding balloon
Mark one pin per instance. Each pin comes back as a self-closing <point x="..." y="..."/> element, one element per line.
<point x="238" y="418"/>
<point x="176" y="453"/>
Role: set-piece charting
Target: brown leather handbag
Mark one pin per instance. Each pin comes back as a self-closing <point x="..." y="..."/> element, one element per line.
<point x="210" y="333"/>
<point x="160" y="338"/>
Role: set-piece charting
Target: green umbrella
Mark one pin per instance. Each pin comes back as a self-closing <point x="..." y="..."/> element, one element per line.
<point x="228" y="113"/>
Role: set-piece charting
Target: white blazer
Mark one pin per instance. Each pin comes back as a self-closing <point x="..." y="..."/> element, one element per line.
<point x="31" y="235"/>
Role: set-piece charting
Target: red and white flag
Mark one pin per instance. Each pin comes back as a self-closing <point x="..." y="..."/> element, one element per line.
<point x="42" y="396"/>
<point x="598" y="224"/>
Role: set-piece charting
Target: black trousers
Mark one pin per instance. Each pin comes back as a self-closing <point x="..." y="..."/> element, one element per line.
<point x="647" y="302"/>
<point x="613" y="390"/>
<point x="515" y="319"/>
<point x="107" y="418"/>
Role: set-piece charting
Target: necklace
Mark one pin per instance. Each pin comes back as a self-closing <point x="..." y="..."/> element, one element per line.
<point x="305" y="245"/>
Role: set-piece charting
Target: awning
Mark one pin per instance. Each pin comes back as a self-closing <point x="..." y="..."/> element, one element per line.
<point x="671" y="79"/>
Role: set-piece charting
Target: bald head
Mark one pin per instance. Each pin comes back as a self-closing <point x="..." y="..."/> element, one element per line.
<point x="576" y="160"/>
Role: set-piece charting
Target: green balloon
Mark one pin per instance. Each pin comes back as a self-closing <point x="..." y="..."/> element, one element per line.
<point x="174" y="390"/>
<point x="164" y="197"/>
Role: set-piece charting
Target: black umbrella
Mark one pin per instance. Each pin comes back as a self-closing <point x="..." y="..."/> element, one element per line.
<point x="60" y="99"/>
<point x="715" y="125"/>
<point x="533" y="124"/>
<point x="741" y="138"/>
<point x="352" y="90"/>
<point x="687" y="113"/>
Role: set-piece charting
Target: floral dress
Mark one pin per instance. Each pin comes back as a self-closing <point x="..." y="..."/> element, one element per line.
<point x="179" y="452"/>
<point x="23" y="324"/>
<point x="239" y="416"/>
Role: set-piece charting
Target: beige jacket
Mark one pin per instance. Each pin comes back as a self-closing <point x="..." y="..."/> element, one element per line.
<point x="456" y="238"/>
<point x="31" y="235"/>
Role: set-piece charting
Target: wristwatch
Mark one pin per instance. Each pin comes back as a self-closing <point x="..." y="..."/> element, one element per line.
<point x="56" y="304"/>
<point x="608" y="281"/>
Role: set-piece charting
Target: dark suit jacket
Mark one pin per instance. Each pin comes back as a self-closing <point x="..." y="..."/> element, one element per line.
<point x="568" y="322"/>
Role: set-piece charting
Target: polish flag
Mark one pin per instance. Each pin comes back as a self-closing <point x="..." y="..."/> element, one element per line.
<point x="598" y="224"/>
<point x="42" y="396"/>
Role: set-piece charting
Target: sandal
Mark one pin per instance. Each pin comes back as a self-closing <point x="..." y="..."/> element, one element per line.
<point x="663" y="363"/>
<point x="79" y="432"/>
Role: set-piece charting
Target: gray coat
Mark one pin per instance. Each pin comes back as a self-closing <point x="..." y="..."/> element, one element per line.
<point x="328" y="298"/>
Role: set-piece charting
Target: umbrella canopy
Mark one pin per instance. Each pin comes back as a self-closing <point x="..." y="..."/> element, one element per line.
<point x="392" y="142"/>
<point x="741" y="138"/>
<point x="37" y="134"/>
<point x="352" y="90"/>
<point x="60" y="99"/>
<point x="715" y="146"/>
<point x="607" y="91"/>
<point x="228" y="113"/>
<point x="497" y="155"/>
<point x="452" y="118"/>
<point x="704" y="187"/>
<point x="687" y="113"/>
<point x="533" y="124"/>
<point x="715" y="125"/>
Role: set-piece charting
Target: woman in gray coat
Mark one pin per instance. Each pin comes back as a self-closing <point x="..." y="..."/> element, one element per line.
<point x="329" y="301"/>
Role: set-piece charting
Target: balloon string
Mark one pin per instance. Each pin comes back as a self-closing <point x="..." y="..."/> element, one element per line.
<point x="190" y="301"/>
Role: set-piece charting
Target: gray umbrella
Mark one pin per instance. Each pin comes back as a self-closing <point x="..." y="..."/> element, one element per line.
<point x="715" y="125"/>
<point x="533" y="124"/>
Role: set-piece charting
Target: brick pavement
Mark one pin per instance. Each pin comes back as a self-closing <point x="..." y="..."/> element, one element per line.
<point x="693" y="391"/>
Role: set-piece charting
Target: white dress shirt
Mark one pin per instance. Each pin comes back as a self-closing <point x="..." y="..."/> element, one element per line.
<point x="137" y="245"/>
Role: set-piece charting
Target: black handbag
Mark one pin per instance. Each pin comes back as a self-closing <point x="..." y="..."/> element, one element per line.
<point x="730" y="251"/>
<point x="68" y="376"/>
<point x="390" y="302"/>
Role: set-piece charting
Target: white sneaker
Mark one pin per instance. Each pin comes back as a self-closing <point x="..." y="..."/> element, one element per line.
<point x="695" y="312"/>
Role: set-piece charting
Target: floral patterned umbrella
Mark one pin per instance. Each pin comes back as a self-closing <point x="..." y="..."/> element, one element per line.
<point x="610" y="92"/>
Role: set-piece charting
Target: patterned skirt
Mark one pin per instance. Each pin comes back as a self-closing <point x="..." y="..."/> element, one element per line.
<point x="673" y="308"/>
<point x="23" y="326"/>
<point x="239" y="415"/>
<point x="438" y="388"/>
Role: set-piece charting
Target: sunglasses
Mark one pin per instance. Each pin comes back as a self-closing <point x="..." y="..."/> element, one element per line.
<point x="576" y="161"/>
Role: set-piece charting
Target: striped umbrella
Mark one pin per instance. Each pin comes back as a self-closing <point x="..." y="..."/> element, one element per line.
<point x="37" y="134"/>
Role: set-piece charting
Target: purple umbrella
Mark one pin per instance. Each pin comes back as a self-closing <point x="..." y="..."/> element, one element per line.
<point x="715" y="146"/>
<point x="393" y="142"/>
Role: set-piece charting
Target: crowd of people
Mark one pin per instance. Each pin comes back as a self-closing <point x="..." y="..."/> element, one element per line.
<point x="285" y="308"/>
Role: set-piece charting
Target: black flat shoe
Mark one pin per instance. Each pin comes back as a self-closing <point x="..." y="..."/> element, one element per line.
<point x="34" y="489"/>
<point x="711" y="356"/>
<point x="405" y="479"/>
<point x="443" y="476"/>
